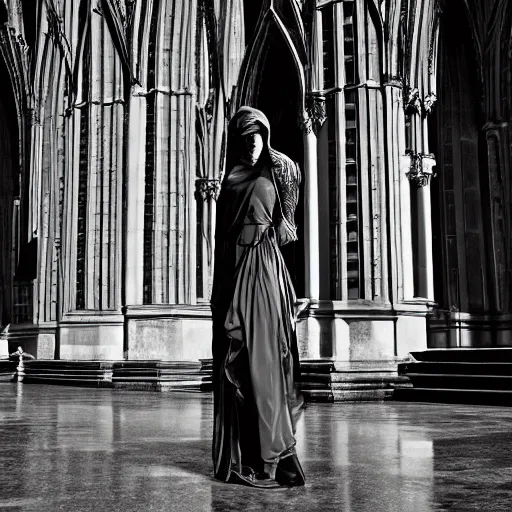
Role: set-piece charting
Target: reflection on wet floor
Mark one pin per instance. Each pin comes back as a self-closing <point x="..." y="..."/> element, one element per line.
<point x="75" y="449"/>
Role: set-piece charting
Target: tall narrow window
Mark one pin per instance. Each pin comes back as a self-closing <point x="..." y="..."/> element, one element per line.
<point x="83" y="176"/>
<point x="149" y="177"/>
<point x="351" y="154"/>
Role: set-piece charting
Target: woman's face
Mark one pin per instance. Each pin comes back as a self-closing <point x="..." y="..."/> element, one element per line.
<point x="253" y="146"/>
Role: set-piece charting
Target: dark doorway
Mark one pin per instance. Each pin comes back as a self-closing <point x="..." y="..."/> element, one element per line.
<point x="457" y="193"/>
<point x="9" y="164"/>
<point x="277" y="94"/>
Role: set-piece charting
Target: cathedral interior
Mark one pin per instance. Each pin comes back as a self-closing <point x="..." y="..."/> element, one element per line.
<point x="113" y="139"/>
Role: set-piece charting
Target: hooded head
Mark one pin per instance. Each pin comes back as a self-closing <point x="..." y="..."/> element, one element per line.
<point x="286" y="174"/>
<point x="248" y="137"/>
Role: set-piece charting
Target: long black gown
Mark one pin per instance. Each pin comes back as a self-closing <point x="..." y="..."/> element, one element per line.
<point x="257" y="402"/>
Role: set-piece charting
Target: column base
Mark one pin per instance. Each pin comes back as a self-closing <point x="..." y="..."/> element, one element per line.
<point x="91" y="335"/>
<point x="361" y="331"/>
<point x="37" y="340"/>
<point x="350" y="351"/>
<point x="452" y="329"/>
<point x="169" y="332"/>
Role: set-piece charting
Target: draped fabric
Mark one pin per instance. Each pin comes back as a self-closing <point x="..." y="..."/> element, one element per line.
<point x="255" y="357"/>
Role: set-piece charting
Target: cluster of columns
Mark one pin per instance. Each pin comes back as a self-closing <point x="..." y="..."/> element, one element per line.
<point x="127" y="148"/>
<point x="395" y="164"/>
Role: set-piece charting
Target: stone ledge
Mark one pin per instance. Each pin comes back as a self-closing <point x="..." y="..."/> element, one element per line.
<point x="168" y="311"/>
<point x="376" y="395"/>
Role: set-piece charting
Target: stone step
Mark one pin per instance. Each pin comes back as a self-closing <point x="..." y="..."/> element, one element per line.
<point x="348" y="395"/>
<point x="455" y="396"/>
<point x="455" y="368"/>
<point x="461" y="382"/>
<point x="333" y="377"/>
<point x="137" y="375"/>
<point x="479" y="376"/>
<point x="305" y="386"/>
<point x="329" y="381"/>
<point x="322" y="380"/>
<point x="465" y="355"/>
<point x="7" y="370"/>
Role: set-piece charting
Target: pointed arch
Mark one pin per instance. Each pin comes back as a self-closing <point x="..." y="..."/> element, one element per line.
<point x="254" y="60"/>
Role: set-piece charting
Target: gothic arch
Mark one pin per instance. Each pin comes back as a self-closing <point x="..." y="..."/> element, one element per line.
<point x="270" y="25"/>
<point x="459" y="197"/>
<point x="272" y="79"/>
<point x="9" y="169"/>
<point x="17" y="98"/>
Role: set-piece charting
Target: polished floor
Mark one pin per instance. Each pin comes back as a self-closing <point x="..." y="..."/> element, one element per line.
<point x="72" y="449"/>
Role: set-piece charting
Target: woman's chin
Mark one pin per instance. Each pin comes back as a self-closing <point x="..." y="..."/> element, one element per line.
<point x="250" y="162"/>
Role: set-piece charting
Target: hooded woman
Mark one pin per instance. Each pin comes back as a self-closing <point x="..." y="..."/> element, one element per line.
<point x="255" y="357"/>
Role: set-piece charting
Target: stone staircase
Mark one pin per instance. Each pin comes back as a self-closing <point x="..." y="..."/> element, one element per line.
<point x="130" y="375"/>
<point x="322" y="381"/>
<point x="465" y="375"/>
<point x="7" y="370"/>
<point x="354" y="381"/>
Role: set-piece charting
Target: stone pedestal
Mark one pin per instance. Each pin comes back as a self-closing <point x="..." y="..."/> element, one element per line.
<point x="457" y="329"/>
<point x="91" y="336"/>
<point x="361" y="331"/>
<point x="169" y="333"/>
<point x="4" y="348"/>
<point x="38" y="341"/>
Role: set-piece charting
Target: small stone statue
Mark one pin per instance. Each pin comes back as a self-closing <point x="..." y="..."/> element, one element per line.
<point x="21" y="367"/>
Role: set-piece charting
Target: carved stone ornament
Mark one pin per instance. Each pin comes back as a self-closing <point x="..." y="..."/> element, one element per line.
<point x="420" y="171"/>
<point x="412" y="101"/>
<point x="208" y="108"/>
<point x="304" y="122"/>
<point x="207" y="188"/>
<point x="315" y="107"/>
<point x="429" y="102"/>
<point x="315" y="114"/>
<point x="32" y="116"/>
<point x="394" y="81"/>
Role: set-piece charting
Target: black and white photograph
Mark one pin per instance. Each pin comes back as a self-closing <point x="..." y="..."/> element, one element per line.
<point x="256" y="255"/>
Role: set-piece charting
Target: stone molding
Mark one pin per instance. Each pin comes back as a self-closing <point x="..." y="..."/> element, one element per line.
<point x="168" y="311"/>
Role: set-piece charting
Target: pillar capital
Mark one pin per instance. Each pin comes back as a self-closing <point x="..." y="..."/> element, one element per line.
<point x="207" y="188"/>
<point x="421" y="168"/>
<point x="315" y="113"/>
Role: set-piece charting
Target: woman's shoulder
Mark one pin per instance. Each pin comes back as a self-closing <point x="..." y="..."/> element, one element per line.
<point x="286" y="170"/>
<point x="278" y="157"/>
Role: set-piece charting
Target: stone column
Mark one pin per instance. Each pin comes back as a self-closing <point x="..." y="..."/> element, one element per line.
<point x="500" y="254"/>
<point x="134" y="229"/>
<point x="314" y="118"/>
<point x="405" y="268"/>
<point x="419" y="174"/>
<point x="311" y="225"/>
